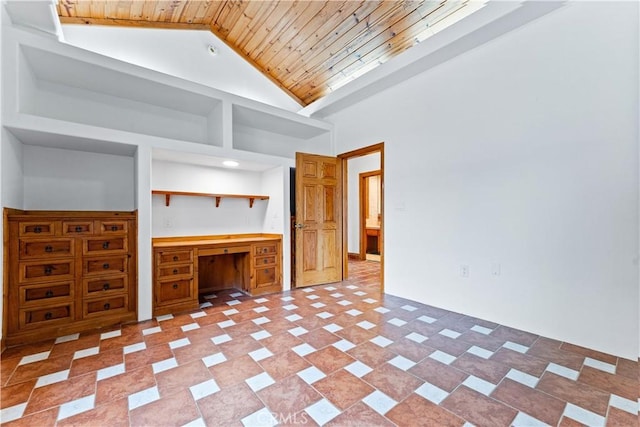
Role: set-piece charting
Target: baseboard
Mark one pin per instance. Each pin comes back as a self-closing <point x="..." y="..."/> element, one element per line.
<point x="353" y="256"/>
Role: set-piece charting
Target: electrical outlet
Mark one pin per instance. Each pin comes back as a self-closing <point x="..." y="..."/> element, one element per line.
<point x="495" y="269"/>
<point x="168" y="223"/>
<point x="464" y="270"/>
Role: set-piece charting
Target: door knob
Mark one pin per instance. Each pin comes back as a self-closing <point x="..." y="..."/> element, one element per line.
<point x="298" y="225"/>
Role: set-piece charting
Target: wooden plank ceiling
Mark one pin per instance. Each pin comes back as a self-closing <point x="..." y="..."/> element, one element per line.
<point x="308" y="48"/>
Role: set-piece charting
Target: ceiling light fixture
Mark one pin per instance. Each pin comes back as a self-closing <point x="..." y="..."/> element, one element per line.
<point x="212" y="50"/>
<point x="231" y="163"/>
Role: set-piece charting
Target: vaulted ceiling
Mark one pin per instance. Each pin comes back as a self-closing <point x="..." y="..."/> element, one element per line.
<point x="308" y="48"/>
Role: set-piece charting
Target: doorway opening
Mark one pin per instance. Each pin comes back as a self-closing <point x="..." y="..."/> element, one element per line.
<point x="370" y="190"/>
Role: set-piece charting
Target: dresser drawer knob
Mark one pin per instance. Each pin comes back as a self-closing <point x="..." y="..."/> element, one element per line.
<point x="266" y="271"/>
<point x="114" y="228"/>
<point x="37" y="229"/>
<point x="226" y="251"/>
<point x="107" y="306"/>
<point x="175" y="286"/>
<point x="175" y="258"/>
<point x="48" y="248"/>
<point x="106" y="286"/>
<point x="78" y="229"/>
<point x="105" y="245"/>
<point x="105" y="265"/>
<point x="48" y="294"/>
<point x="266" y="261"/>
<point x="48" y="270"/>
<point x="175" y="271"/>
<point x="48" y="315"/>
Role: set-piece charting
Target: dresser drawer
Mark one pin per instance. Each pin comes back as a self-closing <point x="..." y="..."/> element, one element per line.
<point x="266" y="249"/>
<point x="37" y="229"/>
<point x="42" y="317"/>
<point x="174" y="256"/>
<point x="174" y="291"/>
<point x="111" y="227"/>
<point x="49" y="248"/>
<point x="104" y="245"/>
<point x="105" y="265"/>
<point x="265" y="276"/>
<point x="105" y="306"/>
<point x="105" y="286"/>
<point x="45" y="293"/>
<point x="34" y="271"/>
<point x="77" y="228"/>
<point x="175" y="270"/>
<point x="264" y="261"/>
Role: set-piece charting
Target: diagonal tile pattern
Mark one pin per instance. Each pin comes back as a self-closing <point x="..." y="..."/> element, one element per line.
<point x="337" y="355"/>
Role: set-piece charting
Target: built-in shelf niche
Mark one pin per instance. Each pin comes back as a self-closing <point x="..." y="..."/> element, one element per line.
<point x="278" y="134"/>
<point x="63" y="88"/>
<point x="217" y="197"/>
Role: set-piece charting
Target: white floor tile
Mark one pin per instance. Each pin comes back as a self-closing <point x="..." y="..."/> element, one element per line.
<point x="322" y="411"/>
<point x="236" y="294"/>
<point x="332" y="327"/>
<point x="562" y="371"/>
<point x="329" y="288"/>
<point x="261" y="418"/>
<point x="382" y="310"/>
<point x="303" y="349"/>
<point x="67" y="338"/>
<point x="524" y="420"/>
<point x="480" y="352"/>
<point x="443" y="357"/>
<point x="221" y="339"/>
<point x="318" y="305"/>
<point x="344" y="303"/>
<point x="213" y="359"/>
<point x="312" y="297"/>
<point x="354" y="312"/>
<point x="479" y="385"/>
<point x="381" y="341"/>
<point x="344" y="345"/>
<point x="76" y="406"/>
<point x="210" y="296"/>
<point x="311" y="374"/>
<point x="523" y="378"/>
<point x="337" y="295"/>
<point x="143" y="397"/>
<point x="426" y="319"/>
<point x="198" y="314"/>
<point x="397" y="322"/>
<point x="260" y="309"/>
<point x="516" y="347"/>
<point x="164" y="365"/>
<point x="260" y="381"/>
<point x="365" y="324"/>
<point x="402" y="363"/>
<point x="12" y="413"/>
<point x="287" y="298"/>
<point x="358" y="369"/>
<point x="182" y="342"/>
<point x="414" y="336"/>
<point x="164" y="317"/>
<point x="290" y="307"/>
<point x="449" y="333"/>
<point x="380" y="402"/>
<point x="34" y="358"/>
<point x="260" y="335"/>
<point x="261" y="320"/>
<point x="261" y="300"/>
<point x="370" y="300"/>
<point x="293" y="317"/>
<point x="150" y="331"/>
<point x="206" y="304"/>
<point x="233" y="302"/>
<point x="606" y="367"/>
<point x="352" y="287"/>
<point x="230" y="312"/>
<point x="226" y="323"/>
<point x="260" y="354"/>
<point x="204" y="389"/>
<point x="307" y="290"/>
<point x="190" y="327"/>
<point x="298" y="331"/>
<point x="432" y="393"/>
<point x="134" y="347"/>
<point x="627" y="405"/>
<point x="360" y="293"/>
<point x="481" y="329"/>
<point x="111" y="371"/>
<point x="56" y="377"/>
<point x="582" y="415"/>
<point x="324" y="315"/>
<point x="409" y="307"/>
<point x="86" y="353"/>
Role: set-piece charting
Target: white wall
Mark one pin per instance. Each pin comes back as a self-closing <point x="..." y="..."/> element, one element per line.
<point x="56" y="179"/>
<point x="355" y="167"/>
<point x="523" y="153"/>
<point x="199" y="215"/>
<point x="12" y="171"/>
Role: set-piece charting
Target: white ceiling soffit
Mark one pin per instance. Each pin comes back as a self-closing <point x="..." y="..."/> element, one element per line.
<point x="210" y="161"/>
<point x="492" y="21"/>
<point x="40" y="15"/>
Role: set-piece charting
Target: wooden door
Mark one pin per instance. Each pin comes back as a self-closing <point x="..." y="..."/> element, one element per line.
<point x="318" y="227"/>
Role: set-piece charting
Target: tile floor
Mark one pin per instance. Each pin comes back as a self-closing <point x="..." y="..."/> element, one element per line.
<point x="337" y="355"/>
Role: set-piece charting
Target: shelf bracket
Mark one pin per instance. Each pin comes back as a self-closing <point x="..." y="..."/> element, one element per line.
<point x="218" y="201"/>
<point x="167" y="199"/>
<point x="251" y="200"/>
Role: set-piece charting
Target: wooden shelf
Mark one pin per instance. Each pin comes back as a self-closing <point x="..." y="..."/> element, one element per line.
<point x="217" y="197"/>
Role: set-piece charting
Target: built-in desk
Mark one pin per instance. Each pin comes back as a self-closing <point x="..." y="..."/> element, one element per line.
<point x="186" y="267"/>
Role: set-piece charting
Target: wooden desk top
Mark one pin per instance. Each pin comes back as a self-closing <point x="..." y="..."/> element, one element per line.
<point x="220" y="240"/>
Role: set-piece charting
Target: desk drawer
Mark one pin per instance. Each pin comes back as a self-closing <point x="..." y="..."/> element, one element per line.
<point x="105" y="245"/>
<point x="48" y="293"/>
<point x="50" y="248"/>
<point x="174" y="291"/>
<point x="105" y="286"/>
<point x="39" y="317"/>
<point x="224" y="250"/>
<point x="37" y="271"/>
<point x="265" y="276"/>
<point x="264" y="261"/>
<point x="266" y="249"/>
<point x="174" y="256"/>
<point x="175" y="270"/>
<point x="105" y="265"/>
<point x="105" y="306"/>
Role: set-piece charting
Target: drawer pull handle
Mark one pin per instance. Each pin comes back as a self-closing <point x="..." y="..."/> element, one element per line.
<point x="48" y="270"/>
<point x="226" y="251"/>
<point x="78" y="229"/>
<point x="175" y="258"/>
<point x="264" y="250"/>
<point x="266" y="261"/>
<point x="105" y="265"/>
<point x="106" y="286"/>
<point x="48" y="294"/>
<point x="37" y="229"/>
<point x="105" y="245"/>
<point x="266" y="271"/>
<point x="114" y="228"/>
<point x="175" y="271"/>
<point x="175" y="286"/>
<point x="48" y="315"/>
<point x="48" y="248"/>
<point x="107" y="306"/>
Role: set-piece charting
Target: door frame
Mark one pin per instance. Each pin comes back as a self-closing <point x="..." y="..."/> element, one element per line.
<point x="344" y="157"/>
<point x="364" y="191"/>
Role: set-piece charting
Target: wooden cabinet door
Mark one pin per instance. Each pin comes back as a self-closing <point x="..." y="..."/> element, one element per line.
<point x="318" y="225"/>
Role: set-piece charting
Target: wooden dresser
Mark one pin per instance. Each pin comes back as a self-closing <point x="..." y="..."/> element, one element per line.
<point x="68" y="271"/>
<point x="185" y="267"/>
